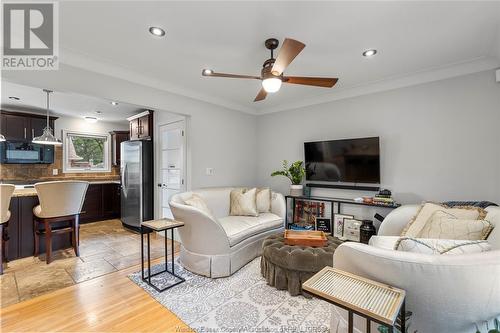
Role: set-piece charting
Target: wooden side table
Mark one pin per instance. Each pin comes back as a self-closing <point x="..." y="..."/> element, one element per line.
<point x="159" y="225"/>
<point x="369" y="299"/>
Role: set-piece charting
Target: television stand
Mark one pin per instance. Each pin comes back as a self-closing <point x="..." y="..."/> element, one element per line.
<point x="338" y="202"/>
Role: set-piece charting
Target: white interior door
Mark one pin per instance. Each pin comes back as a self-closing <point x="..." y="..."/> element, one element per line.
<point x="172" y="164"/>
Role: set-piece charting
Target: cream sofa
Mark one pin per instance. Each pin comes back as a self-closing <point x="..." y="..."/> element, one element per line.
<point x="218" y="247"/>
<point x="446" y="293"/>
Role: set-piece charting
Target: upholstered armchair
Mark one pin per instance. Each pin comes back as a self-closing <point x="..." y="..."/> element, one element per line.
<point x="446" y="293"/>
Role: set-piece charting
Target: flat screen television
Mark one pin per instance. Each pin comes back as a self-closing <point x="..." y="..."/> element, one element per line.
<point x="349" y="160"/>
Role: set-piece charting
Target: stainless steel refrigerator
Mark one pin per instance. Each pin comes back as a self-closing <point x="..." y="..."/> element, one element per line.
<point x="136" y="170"/>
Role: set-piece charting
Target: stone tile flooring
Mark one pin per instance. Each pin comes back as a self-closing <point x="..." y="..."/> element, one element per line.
<point x="105" y="247"/>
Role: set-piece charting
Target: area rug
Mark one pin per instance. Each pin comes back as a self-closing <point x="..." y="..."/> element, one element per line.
<point x="242" y="302"/>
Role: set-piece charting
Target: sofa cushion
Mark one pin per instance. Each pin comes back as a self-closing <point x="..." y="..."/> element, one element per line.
<point x="427" y="210"/>
<point x="384" y="242"/>
<point x="441" y="246"/>
<point x="263" y="200"/>
<point x="243" y="202"/>
<point x="197" y="201"/>
<point x="446" y="226"/>
<point x="239" y="228"/>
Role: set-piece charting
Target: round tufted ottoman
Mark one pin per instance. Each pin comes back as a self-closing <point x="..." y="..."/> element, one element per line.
<point x="288" y="266"/>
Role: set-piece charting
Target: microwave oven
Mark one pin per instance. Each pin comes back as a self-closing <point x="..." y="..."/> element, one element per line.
<point x="22" y="152"/>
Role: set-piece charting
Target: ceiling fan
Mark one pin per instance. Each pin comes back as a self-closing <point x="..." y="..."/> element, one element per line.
<point x="272" y="71"/>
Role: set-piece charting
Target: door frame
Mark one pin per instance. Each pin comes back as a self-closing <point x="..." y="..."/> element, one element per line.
<point x="157" y="149"/>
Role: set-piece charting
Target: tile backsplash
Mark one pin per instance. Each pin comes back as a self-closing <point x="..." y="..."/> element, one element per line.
<point x="44" y="171"/>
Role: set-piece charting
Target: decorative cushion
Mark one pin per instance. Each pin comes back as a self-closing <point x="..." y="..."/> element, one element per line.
<point x="425" y="213"/>
<point x="264" y="200"/>
<point x="243" y="202"/>
<point x="441" y="246"/>
<point x="197" y="202"/>
<point x="443" y="225"/>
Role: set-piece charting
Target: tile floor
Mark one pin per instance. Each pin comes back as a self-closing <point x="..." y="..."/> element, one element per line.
<point x="105" y="247"/>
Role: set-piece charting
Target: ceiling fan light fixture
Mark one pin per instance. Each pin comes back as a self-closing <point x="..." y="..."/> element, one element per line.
<point x="369" y="53"/>
<point x="271" y="84"/>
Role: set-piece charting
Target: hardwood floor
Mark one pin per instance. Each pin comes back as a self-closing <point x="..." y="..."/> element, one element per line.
<point x="111" y="303"/>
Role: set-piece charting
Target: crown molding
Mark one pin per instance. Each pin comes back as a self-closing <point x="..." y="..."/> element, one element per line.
<point x="102" y="66"/>
<point x="410" y="79"/>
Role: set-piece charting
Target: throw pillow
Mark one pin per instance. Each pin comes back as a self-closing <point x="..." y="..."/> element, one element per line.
<point x="441" y="246"/>
<point x="197" y="201"/>
<point x="264" y="200"/>
<point x="243" y="202"/>
<point x="426" y="211"/>
<point x="443" y="225"/>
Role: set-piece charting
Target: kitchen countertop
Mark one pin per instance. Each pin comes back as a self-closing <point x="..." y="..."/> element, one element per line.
<point x="23" y="191"/>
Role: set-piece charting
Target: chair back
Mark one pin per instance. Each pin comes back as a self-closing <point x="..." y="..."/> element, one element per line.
<point x="6" y="191"/>
<point x="61" y="198"/>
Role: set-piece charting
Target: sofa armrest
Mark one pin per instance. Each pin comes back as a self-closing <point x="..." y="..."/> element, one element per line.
<point x="278" y="205"/>
<point x="396" y="221"/>
<point x="201" y="232"/>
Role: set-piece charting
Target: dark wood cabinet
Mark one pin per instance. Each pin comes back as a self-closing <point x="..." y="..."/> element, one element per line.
<point x="141" y="126"/>
<point x="102" y="202"/>
<point x="22" y="126"/>
<point x="117" y="137"/>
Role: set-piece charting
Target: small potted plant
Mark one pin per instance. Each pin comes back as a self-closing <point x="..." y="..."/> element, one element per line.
<point x="295" y="172"/>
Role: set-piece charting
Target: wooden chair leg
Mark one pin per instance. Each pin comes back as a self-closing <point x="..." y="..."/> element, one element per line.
<point x="48" y="241"/>
<point x="5" y="238"/>
<point x="1" y="249"/>
<point x="76" y="235"/>
<point x="37" y="238"/>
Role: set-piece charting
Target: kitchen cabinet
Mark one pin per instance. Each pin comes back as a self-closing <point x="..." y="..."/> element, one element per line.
<point x="117" y="137"/>
<point x="22" y="126"/>
<point x="141" y="126"/>
<point x="102" y="202"/>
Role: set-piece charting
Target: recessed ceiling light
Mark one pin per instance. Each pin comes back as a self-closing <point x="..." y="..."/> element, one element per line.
<point x="157" y="31"/>
<point x="114" y="103"/>
<point x="207" y="72"/>
<point x="91" y="119"/>
<point x="14" y="98"/>
<point x="369" y="53"/>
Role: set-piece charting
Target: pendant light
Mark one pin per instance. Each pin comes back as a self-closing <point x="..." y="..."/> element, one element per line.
<point x="47" y="138"/>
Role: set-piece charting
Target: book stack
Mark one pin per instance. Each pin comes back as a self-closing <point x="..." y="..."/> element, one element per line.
<point x="383" y="199"/>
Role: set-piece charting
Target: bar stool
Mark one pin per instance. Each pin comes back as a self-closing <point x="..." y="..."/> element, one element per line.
<point x="6" y="191"/>
<point x="60" y="201"/>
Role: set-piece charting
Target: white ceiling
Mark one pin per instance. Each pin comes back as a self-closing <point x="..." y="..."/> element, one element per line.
<point x="413" y="40"/>
<point x="64" y="104"/>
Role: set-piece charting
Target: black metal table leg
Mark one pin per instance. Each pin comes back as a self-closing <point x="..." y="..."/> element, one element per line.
<point x="172" y="250"/>
<point x="142" y="252"/>
<point x="403" y="317"/>
<point x="368" y="325"/>
<point x="350" y="324"/>
<point x="149" y="259"/>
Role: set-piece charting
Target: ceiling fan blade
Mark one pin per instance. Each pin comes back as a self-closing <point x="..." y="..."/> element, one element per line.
<point x="261" y="95"/>
<point x="289" y="50"/>
<point x="326" y="82"/>
<point x="232" y="76"/>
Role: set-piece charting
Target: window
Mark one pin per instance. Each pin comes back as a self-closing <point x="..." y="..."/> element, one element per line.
<point x="86" y="152"/>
